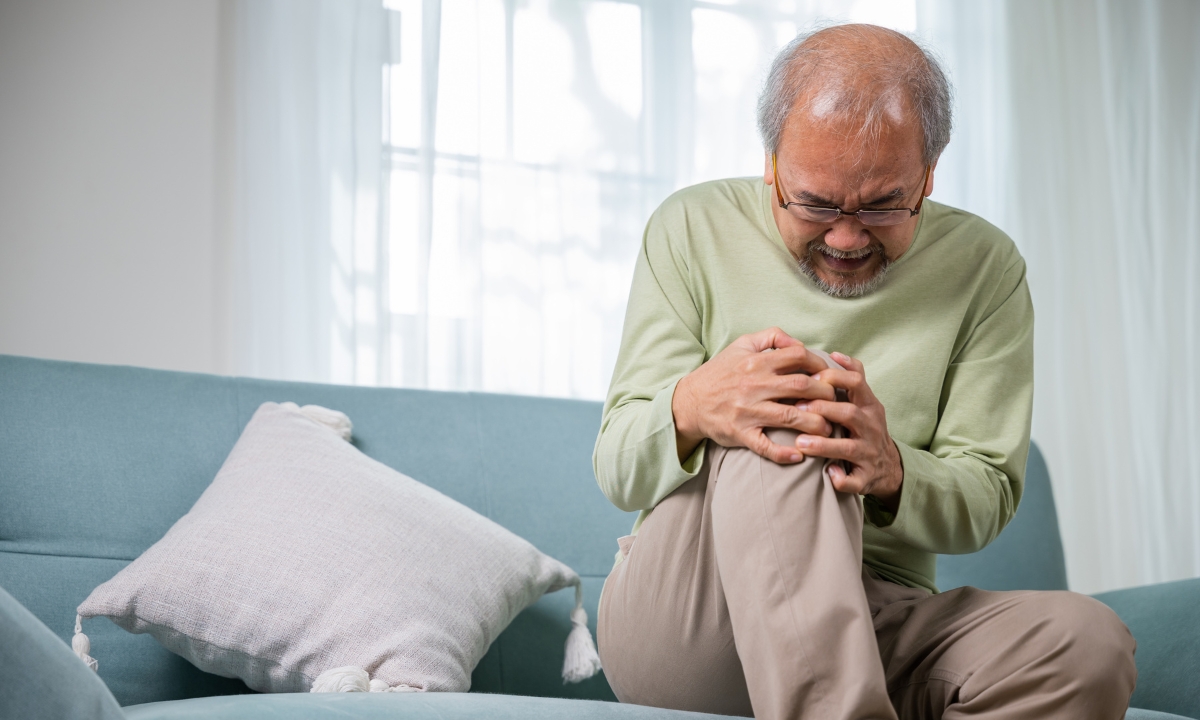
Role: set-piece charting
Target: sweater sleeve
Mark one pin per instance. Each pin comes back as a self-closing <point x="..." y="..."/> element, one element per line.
<point x="960" y="492"/>
<point x="636" y="459"/>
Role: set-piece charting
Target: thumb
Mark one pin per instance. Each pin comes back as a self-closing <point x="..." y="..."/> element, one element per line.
<point x="771" y="338"/>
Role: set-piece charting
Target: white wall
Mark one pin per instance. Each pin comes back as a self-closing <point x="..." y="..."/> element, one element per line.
<point x="110" y="246"/>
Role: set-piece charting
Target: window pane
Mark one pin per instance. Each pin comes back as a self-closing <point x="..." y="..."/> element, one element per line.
<point x="728" y="58"/>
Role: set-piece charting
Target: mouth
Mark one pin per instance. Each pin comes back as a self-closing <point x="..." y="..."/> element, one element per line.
<point x="845" y="274"/>
<point x="844" y="262"/>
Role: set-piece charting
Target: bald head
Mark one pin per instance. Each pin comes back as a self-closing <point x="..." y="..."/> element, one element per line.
<point x="859" y="76"/>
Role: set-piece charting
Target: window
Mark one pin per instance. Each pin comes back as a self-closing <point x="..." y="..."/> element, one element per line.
<point x="526" y="143"/>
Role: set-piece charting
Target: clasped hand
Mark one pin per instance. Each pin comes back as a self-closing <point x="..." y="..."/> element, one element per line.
<point x="744" y="388"/>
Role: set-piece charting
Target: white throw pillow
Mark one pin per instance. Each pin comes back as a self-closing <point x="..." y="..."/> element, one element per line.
<point x="305" y="556"/>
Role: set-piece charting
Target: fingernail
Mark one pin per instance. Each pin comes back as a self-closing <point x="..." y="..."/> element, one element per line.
<point x="802" y="407"/>
<point x="794" y="457"/>
<point x="803" y="442"/>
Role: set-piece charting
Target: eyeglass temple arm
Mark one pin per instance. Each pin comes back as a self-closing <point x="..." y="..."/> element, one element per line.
<point x="778" y="192"/>
<point x="924" y="184"/>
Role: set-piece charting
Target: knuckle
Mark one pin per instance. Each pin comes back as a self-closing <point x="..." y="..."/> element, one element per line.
<point x="759" y="444"/>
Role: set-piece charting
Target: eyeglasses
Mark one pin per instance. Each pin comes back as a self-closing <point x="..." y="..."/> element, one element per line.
<point x="875" y="218"/>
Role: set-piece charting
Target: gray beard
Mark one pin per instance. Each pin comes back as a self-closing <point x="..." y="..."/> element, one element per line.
<point x="847" y="289"/>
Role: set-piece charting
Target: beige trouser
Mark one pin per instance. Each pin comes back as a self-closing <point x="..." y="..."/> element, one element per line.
<point x="744" y="593"/>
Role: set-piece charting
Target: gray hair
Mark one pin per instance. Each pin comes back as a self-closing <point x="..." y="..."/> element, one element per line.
<point x="808" y="70"/>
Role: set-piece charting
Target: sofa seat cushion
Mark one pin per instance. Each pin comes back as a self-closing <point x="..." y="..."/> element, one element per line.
<point x="1139" y="714"/>
<point x="426" y="706"/>
<point x="407" y="706"/>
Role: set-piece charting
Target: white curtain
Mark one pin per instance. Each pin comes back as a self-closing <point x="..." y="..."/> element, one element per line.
<point x="308" y="289"/>
<point x="1078" y="133"/>
<point x="450" y="194"/>
<point x="529" y="144"/>
<point x="1107" y="154"/>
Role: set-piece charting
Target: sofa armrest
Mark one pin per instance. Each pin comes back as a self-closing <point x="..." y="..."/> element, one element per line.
<point x="42" y="676"/>
<point x="1165" y="622"/>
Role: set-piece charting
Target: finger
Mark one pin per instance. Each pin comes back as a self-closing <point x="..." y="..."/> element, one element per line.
<point x="848" y="362"/>
<point x="782" y="454"/>
<point x="801" y="387"/>
<point x="852" y="381"/>
<point x="771" y="338"/>
<point x="787" y="416"/>
<point x="842" y="413"/>
<point x="796" y="359"/>
<point x="836" y="448"/>
<point x="843" y="481"/>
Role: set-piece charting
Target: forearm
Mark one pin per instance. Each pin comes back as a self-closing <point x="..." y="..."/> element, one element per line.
<point x="637" y="459"/>
<point x="948" y="505"/>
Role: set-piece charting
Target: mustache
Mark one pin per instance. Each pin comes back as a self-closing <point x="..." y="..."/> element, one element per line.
<point x="819" y="246"/>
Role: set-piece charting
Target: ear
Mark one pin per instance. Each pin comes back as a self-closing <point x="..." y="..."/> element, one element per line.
<point x="929" y="182"/>
<point x="768" y="172"/>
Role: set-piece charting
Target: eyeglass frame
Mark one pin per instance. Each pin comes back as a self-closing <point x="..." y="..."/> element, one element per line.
<point x="858" y="214"/>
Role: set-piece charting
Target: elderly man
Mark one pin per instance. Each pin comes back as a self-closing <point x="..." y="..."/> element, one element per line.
<point x="783" y="561"/>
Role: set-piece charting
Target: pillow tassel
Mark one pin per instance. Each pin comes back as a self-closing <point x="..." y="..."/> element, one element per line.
<point x="82" y="646"/>
<point x="581" y="660"/>
<point x="351" y="678"/>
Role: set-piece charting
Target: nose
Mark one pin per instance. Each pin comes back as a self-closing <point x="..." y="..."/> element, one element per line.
<point x="847" y="234"/>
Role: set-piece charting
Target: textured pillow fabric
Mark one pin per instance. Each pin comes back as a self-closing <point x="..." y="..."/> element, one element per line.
<point x="304" y="555"/>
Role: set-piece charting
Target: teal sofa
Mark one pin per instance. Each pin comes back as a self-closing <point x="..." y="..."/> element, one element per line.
<point x="97" y="462"/>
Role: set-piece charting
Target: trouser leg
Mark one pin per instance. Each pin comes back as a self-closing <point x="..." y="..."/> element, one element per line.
<point x="789" y="548"/>
<point x="663" y="628"/>
<point x="743" y="593"/>
<point x="970" y="653"/>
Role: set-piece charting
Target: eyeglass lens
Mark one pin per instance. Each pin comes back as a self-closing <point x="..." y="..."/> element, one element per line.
<point x="866" y="217"/>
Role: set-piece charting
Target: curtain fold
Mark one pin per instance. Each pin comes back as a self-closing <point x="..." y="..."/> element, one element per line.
<point x="307" y="245"/>
<point x="1104" y="149"/>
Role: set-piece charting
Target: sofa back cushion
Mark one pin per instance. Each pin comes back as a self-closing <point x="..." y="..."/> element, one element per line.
<point x="97" y="462"/>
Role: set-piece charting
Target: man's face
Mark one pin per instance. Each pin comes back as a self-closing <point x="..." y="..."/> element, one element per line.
<point x="827" y="164"/>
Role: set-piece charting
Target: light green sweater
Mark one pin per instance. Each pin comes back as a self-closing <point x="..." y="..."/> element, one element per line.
<point x="947" y="342"/>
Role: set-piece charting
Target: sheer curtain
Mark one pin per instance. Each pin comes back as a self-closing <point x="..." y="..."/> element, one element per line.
<point x="308" y="290"/>
<point x="1078" y="132"/>
<point x="450" y="194"/>
<point x="529" y="143"/>
<point x="1107" y="154"/>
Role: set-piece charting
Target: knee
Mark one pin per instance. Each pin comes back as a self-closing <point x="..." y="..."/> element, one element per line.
<point x="782" y="436"/>
<point x="1095" y="645"/>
